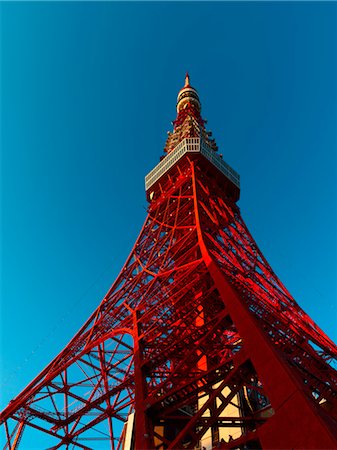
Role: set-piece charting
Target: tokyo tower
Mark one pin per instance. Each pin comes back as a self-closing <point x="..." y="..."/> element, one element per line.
<point x="197" y="344"/>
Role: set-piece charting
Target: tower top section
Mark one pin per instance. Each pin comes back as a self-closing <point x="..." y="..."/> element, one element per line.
<point x="188" y="123"/>
<point x="188" y="95"/>
<point x="190" y="140"/>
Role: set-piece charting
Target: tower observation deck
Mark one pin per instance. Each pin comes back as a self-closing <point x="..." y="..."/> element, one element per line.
<point x="197" y="344"/>
<point x="190" y="137"/>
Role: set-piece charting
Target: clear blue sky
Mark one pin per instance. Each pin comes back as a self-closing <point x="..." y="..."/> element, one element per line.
<point x="88" y="92"/>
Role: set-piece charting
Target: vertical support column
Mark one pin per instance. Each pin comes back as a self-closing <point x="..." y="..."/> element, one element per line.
<point x="101" y="352"/>
<point x="18" y="435"/>
<point x="143" y="433"/>
<point x="207" y="439"/>
<point x="65" y="394"/>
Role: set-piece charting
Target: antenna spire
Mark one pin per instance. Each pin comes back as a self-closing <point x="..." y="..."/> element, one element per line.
<point x="188" y="95"/>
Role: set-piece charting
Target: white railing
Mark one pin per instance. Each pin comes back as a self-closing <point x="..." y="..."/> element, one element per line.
<point x="191" y="145"/>
<point x="220" y="164"/>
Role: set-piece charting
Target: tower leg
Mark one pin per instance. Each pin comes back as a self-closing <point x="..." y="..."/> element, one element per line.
<point x="303" y="425"/>
<point x="297" y="423"/>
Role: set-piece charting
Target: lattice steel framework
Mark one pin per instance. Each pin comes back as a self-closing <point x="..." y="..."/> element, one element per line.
<point x="197" y="340"/>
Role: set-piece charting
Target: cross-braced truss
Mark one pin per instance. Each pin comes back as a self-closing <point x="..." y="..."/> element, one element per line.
<point x="168" y="341"/>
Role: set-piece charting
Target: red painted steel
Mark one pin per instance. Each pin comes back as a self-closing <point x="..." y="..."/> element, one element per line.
<point x="197" y="336"/>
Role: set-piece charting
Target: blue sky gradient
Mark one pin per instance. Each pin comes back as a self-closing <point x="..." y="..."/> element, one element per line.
<point x="88" y="91"/>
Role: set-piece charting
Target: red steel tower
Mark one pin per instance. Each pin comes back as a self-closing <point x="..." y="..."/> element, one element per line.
<point x="198" y="344"/>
